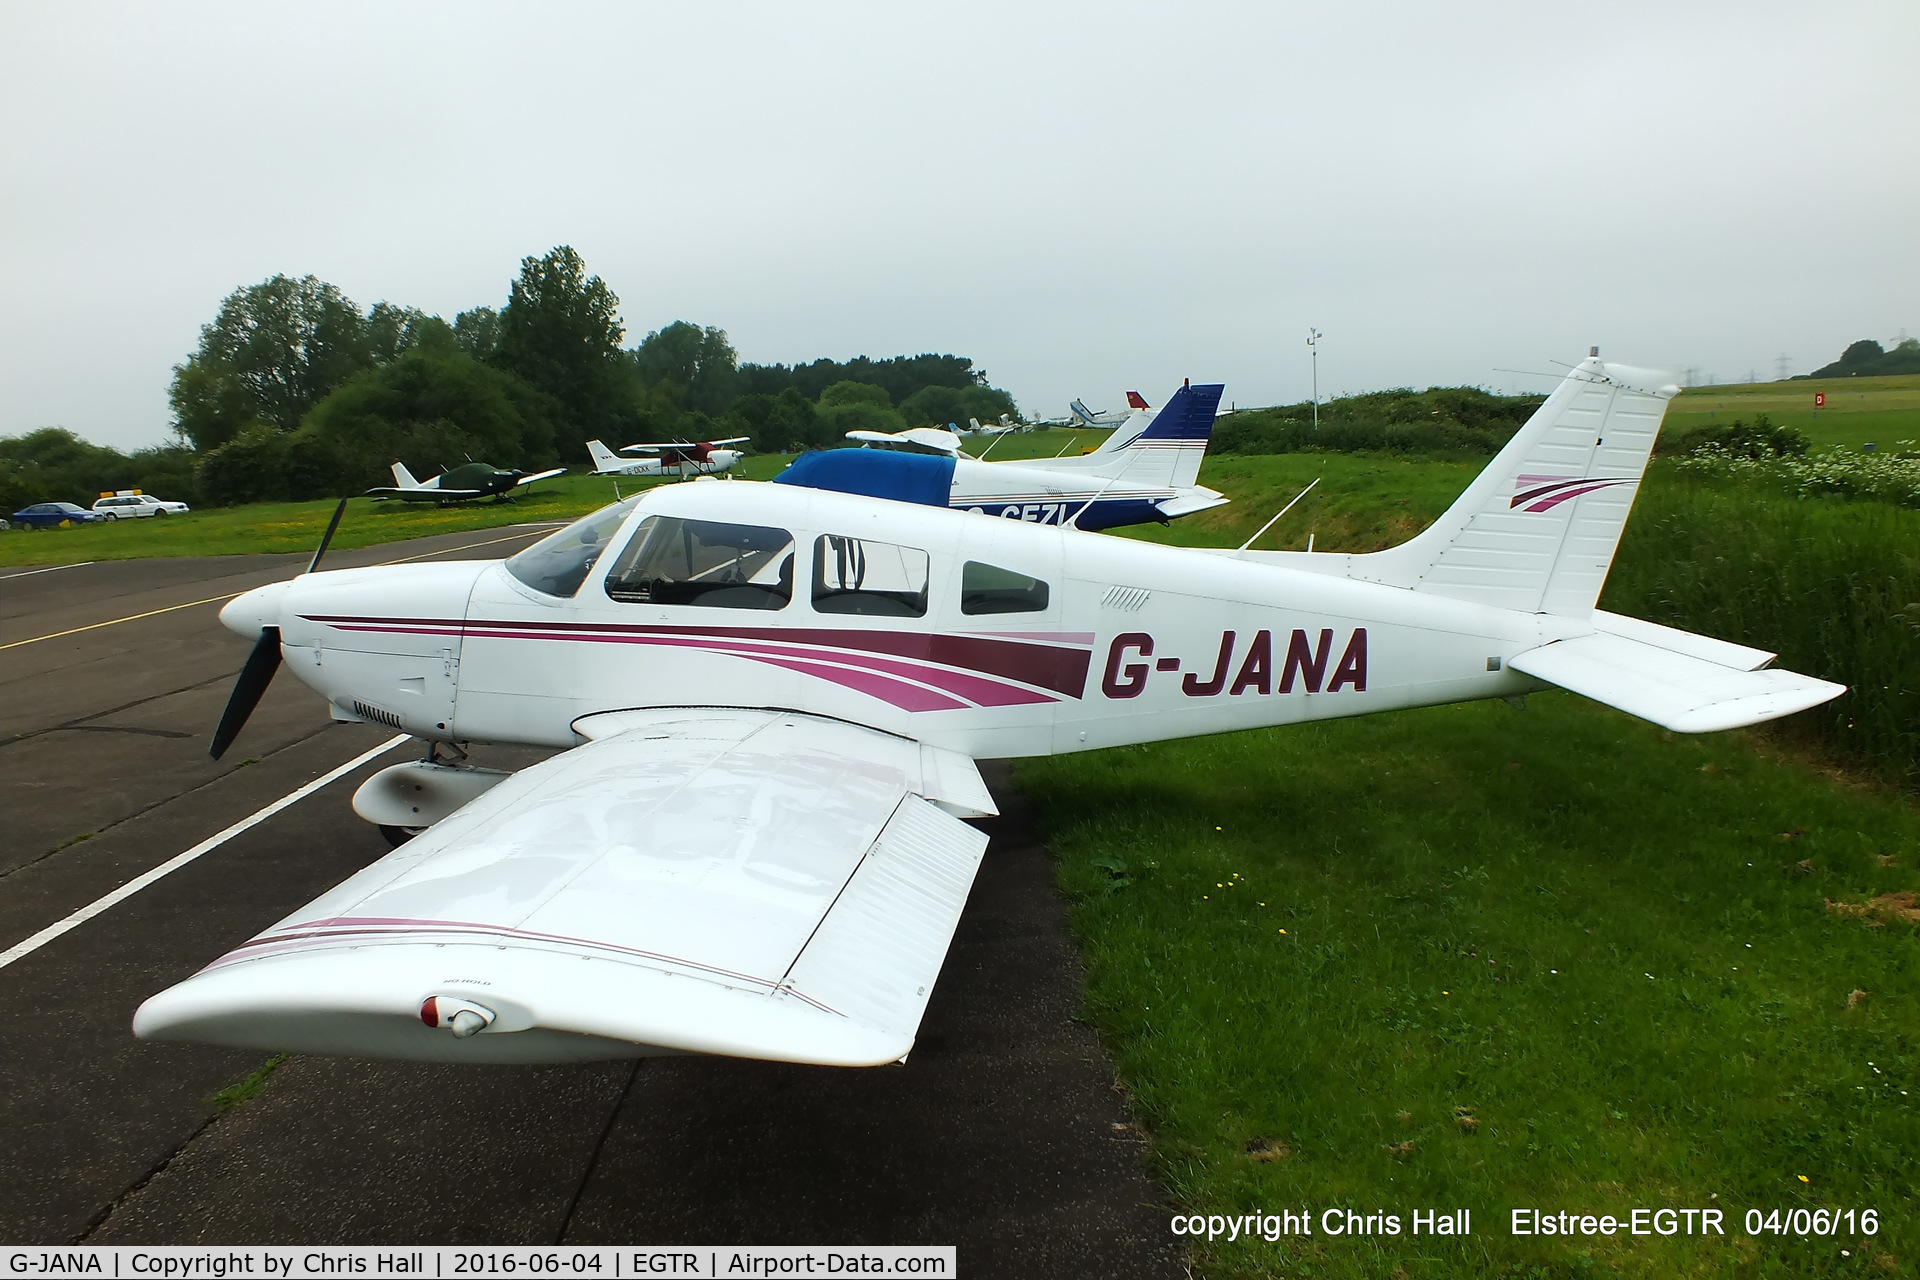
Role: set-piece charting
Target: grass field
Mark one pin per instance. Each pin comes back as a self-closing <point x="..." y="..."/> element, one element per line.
<point x="1481" y="957"/>
<point x="1882" y="410"/>
<point x="297" y="526"/>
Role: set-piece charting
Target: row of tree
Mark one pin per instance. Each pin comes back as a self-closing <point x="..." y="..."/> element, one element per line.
<point x="295" y="392"/>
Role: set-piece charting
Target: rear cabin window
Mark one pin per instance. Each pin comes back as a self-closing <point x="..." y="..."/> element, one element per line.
<point x="987" y="588"/>
<point x="705" y="562"/>
<point x="558" y="563"/>
<point x="869" y="579"/>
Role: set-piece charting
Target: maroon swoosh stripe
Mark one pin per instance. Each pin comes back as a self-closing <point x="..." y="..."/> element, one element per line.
<point x="1061" y="669"/>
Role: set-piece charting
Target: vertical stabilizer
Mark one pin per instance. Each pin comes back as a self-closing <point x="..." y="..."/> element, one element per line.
<point x="403" y="478"/>
<point x="1537" y="530"/>
<point x="604" y="459"/>
<point x="1168" y="452"/>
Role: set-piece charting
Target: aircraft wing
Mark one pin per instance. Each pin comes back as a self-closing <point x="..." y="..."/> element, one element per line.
<point x="424" y="494"/>
<point x="542" y="475"/>
<point x="747" y="883"/>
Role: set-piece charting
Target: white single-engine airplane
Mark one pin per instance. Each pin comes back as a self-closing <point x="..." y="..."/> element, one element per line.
<point x="702" y="458"/>
<point x="1151" y="476"/>
<point x="771" y="698"/>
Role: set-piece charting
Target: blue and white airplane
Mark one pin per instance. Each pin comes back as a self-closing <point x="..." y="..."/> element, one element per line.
<point x="1149" y="477"/>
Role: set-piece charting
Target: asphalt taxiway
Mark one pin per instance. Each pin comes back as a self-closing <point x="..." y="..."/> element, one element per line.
<point x="1004" y="1134"/>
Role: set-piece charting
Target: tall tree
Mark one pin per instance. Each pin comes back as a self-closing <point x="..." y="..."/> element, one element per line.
<point x="561" y="331"/>
<point x="699" y="364"/>
<point x="478" y="331"/>
<point x="273" y="352"/>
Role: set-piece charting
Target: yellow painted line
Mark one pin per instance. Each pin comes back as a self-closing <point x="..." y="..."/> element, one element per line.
<point x="154" y="613"/>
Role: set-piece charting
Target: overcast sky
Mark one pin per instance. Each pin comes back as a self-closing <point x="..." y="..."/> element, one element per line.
<point x="1082" y="198"/>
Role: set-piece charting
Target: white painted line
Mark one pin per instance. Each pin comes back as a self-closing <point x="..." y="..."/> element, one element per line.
<point x="49" y="569"/>
<point x="173" y="864"/>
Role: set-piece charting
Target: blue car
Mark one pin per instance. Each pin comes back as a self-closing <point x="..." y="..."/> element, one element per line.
<point x="51" y="515"/>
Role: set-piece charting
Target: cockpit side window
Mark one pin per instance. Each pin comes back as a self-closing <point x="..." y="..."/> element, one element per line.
<point x="673" y="561"/>
<point x="874" y="579"/>
<point x="986" y="588"/>
<point x="558" y="563"/>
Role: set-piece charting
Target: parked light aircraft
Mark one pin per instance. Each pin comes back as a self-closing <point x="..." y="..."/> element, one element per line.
<point x="1150" y="477"/>
<point x="770" y="699"/>
<point x="695" y="458"/>
<point x="932" y="440"/>
<point x="1085" y="417"/>
<point x="464" y="482"/>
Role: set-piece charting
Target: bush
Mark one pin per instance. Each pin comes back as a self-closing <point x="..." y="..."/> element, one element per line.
<point x="251" y="467"/>
<point x="1446" y="421"/>
<point x="54" y="465"/>
<point x="1761" y="439"/>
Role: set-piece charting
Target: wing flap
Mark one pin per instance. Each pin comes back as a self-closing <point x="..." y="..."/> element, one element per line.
<point x="1678" y="691"/>
<point x="877" y="953"/>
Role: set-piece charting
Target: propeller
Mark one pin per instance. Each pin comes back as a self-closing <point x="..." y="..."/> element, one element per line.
<point x="253" y="681"/>
<point x="262" y="662"/>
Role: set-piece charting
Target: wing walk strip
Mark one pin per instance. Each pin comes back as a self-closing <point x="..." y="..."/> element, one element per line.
<point x="27" y="947"/>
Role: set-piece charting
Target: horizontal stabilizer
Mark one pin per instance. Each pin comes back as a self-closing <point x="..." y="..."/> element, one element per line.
<point x="1195" y="499"/>
<point x="1676" y="690"/>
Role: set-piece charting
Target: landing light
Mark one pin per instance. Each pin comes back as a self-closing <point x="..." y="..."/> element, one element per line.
<point x="462" y="1017"/>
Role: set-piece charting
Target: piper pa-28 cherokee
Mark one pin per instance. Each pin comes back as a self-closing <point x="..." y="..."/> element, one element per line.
<point x="1148" y="477"/>
<point x="703" y="458"/>
<point x="461" y="484"/>
<point x="772" y="697"/>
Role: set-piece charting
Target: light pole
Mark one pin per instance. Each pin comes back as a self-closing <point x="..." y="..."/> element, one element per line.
<point x="1313" y="336"/>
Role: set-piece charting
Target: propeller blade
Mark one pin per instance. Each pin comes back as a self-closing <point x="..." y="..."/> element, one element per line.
<point x="253" y="681"/>
<point x="325" y="539"/>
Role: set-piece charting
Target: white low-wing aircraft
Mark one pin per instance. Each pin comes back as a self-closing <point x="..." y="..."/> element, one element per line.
<point x="1149" y="476"/>
<point x="700" y="458"/>
<point x="770" y="698"/>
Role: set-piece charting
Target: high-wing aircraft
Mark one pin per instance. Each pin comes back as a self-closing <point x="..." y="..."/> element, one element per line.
<point x="696" y="458"/>
<point x="932" y="440"/>
<point x="1085" y="417"/>
<point x="1151" y="476"/>
<point x="769" y="698"/>
<point x="464" y="482"/>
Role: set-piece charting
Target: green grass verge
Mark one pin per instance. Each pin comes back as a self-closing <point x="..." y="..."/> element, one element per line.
<point x="1883" y="410"/>
<point x="1832" y="586"/>
<point x="1605" y="948"/>
<point x="297" y="526"/>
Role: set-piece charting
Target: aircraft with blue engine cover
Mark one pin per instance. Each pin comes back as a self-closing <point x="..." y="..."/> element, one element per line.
<point x="1151" y="476"/>
<point x="766" y="700"/>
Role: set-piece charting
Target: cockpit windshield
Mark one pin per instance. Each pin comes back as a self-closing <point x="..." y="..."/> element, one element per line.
<point x="557" y="564"/>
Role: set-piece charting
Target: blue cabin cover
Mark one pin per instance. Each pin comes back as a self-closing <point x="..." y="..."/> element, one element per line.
<point x="874" y="473"/>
